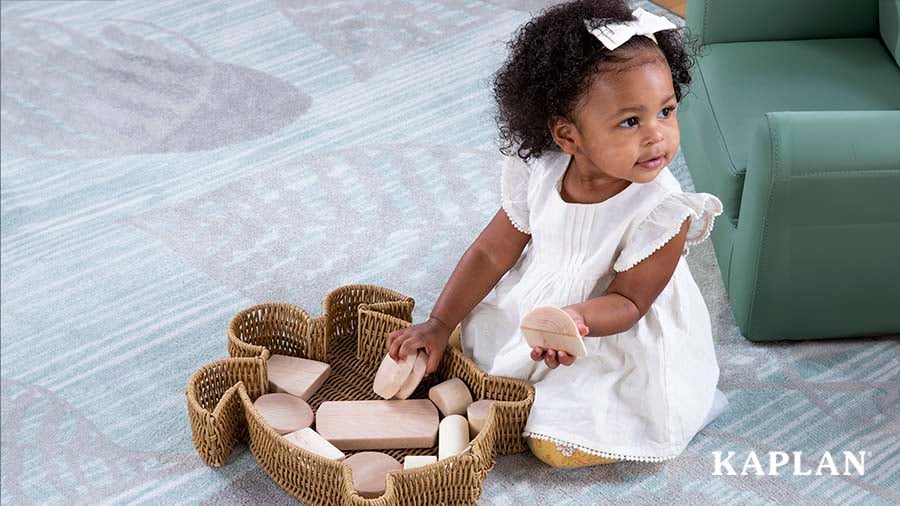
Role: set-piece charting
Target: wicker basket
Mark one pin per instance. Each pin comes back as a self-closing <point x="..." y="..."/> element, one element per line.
<point x="350" y="335"/>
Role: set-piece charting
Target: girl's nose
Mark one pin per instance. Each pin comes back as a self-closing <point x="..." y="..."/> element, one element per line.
<point x="654" y="135"/>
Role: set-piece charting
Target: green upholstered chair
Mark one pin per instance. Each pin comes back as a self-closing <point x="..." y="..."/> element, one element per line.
<point x="793" y="121"/>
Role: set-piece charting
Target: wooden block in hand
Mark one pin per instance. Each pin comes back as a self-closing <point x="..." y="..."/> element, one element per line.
<point x="552" y="328"/>
<point x="284" y="412"/>
<point x="310" y="440"/>
<point x="296" y="376"/>
<point x="369" y="470"/>
<point x="378" y="425"/>
<point x="391" y="375"/>
<point x="415" y="377"/>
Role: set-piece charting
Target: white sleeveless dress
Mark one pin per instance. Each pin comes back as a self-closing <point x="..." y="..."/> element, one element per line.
<point x="641" y="394"/>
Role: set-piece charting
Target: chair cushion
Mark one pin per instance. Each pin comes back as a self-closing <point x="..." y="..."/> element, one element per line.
<point x="745" y="80"/>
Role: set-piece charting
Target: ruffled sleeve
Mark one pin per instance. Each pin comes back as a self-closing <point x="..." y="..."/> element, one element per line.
<point x="664" y="222"/>
<point x="514" y="192"/>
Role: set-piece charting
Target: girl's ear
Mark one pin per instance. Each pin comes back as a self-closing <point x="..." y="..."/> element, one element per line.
<point x="564" y="133"/>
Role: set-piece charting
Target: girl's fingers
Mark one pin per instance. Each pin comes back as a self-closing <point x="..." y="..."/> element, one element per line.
<point x="537" y="353"/>
<point x="391" y="337"/>
<point x="410" y="346"/>
<point x="550" y="359"/>
<point x="394" y="348"/>
<point x="565" y="359"/>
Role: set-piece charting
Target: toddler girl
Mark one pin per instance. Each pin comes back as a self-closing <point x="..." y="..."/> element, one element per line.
<point x="591" y="221"/>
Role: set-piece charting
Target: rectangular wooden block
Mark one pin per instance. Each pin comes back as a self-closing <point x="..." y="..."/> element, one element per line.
<point x="378" y="425"/>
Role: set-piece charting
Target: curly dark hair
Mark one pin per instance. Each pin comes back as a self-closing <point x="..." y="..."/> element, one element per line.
<point x="552" y="62"/>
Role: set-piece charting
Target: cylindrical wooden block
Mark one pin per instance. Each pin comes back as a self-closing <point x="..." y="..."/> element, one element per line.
<point x="453" y="436"/>
<point x="477" y="414"/>
<point x="370" y="470"/>
<point x="452" y="397"/>
<point x="414" y="461"/>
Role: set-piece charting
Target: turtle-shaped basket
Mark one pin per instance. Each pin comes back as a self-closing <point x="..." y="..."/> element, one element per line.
<point x="351" y="336"/>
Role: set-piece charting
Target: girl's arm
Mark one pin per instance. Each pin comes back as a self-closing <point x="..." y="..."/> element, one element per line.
<point x="491" y="255"/>
<point x="631" y="292"/>
<point x="627" y="298"/>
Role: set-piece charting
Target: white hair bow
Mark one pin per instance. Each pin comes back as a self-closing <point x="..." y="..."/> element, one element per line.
<point x="616" y="34"/>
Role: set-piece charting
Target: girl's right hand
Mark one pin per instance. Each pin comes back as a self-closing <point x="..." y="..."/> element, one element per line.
<point x="430" y="334"/>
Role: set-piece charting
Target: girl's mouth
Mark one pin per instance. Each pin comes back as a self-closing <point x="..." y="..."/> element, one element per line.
<point x="653" y="163"/>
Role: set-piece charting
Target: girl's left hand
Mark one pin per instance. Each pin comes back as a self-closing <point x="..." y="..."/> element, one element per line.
<point x="553" y="358"/>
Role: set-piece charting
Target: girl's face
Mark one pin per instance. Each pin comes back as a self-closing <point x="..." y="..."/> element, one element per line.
<point x="626" y="128"/>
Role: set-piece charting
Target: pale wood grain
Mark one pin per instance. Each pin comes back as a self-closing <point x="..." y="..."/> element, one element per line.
<point x="383" y="425"/>
<point x="296" y="376"/>
<point x="391" y="375"/>
<point x="552" y="328"/>
<point x="415" y="377"/>
<point x="453" y="436"/>
<point x="369" y="470"/>
<point x="310" y="440"/>
<point x="452" y="397"/>
<point x="285" y="413"/>
<point x="414" y="461"/>
<point x="477" y="414"/>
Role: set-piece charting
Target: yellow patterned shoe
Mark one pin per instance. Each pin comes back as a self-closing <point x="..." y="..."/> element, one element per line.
<point x="563" y="456"/>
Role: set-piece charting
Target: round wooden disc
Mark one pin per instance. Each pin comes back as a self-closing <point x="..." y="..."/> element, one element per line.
<point x="370" y="472"/>
<point x="551" y="327"/>
<point x="284" y="412"/>
<point x="415" y="377"/>
<point x="391" y="375"/>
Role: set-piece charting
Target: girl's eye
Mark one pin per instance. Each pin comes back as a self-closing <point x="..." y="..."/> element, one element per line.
<point x="666" y="111"/>
<point x="630" y="122"/>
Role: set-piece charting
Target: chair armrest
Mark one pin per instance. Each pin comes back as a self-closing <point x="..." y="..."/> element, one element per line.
<point x="819" y="225"/>
<point x="716" y="21"/>
<point x="889" y="24"/>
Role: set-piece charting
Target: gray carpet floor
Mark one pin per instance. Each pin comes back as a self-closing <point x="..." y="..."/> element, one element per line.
<point x="167" y="163"/>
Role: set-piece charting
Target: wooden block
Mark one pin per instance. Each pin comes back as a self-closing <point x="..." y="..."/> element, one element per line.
<point x="477" y="414"/>
<point x="452" y="397"/>
<point x="453" y="436"/>
<point x="383" y="425"/>
<point x="391" y="375"/>
<point x="310" y="440"/>
<point x="370" y="471"/>
<point x="552" y="328"/>
<point x="296" y="376"/>
<point x="414" y="461"/>
<point x="284" y="412"/>
<point x="415" y="377"/>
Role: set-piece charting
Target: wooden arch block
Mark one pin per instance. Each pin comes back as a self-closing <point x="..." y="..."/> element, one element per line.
<point x="552" y="328"/>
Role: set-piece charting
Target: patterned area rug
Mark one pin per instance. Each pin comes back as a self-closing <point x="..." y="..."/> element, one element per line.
<point x="168" y="163"/>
